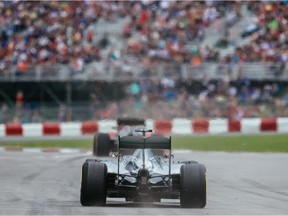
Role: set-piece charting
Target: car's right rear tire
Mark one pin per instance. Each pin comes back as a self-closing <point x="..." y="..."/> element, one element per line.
<point x="93" y="185"/>
<point x="101" y="144"/>
<point x="193" y="186"/>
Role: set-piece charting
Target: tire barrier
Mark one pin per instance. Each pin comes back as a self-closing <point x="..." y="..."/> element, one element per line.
<point x="175" y="126"/>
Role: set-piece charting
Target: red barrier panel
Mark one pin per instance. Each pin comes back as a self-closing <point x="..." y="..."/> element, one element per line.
<point x="200" y="126"/>
<point x="162" y="127"/>
<point x="89" y="127"/>
<point x="51" y="129"/>
<point x="234" y="126"/>
<point x="14" y="130"/>
<point x="268" y="125"/>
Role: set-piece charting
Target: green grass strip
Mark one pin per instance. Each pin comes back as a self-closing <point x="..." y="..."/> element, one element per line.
<point x="85" y="144"/>
<point x="258" y="143"/>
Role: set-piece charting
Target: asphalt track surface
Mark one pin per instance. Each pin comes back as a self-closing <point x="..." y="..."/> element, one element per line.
<point x="49" y="184"/>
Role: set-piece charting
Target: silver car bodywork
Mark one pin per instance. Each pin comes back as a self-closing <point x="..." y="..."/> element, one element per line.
<point x="143" y="176"/>
<point x="162" y="175"/>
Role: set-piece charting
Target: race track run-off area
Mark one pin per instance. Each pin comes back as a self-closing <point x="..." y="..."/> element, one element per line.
<point x="238" y="183"/>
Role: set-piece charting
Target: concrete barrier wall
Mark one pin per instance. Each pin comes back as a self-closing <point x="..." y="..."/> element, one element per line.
<point x="173" y="127"/>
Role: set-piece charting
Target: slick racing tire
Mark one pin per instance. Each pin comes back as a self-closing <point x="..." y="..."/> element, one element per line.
<point x="93" y="185"/>
<point x="101" y="144"/>
<point x="193" y="186"/>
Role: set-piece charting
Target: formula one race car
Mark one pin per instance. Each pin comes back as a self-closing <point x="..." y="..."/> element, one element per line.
<point x="143" y="176"/>
<point x="105" y="143"/>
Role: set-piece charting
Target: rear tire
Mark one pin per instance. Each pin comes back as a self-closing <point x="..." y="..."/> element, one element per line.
<point x="193" y="186"/>
<point x="93" y="185"/>
<point x="101" y="144"/>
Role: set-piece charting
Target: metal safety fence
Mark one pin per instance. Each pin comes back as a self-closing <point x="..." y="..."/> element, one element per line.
<point x="134" y="70"/>
<point x="156" y="110"/>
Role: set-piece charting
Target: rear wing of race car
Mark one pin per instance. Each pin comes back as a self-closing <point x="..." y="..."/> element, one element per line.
<point x="152" y="142"/>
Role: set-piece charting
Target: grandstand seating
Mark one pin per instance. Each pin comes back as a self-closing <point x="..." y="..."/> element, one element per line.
<point x="165" y="47"/>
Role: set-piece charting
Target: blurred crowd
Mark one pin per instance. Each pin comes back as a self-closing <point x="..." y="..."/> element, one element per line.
<point x="61" y="32"/>
<point x="166" y="29"/>
<point x="46" y="32"/>
<point x="268" y="33"/>
<point x="49" y="32"/>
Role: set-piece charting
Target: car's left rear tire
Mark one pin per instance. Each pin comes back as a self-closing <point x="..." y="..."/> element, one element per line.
<point x="93" y="185"/>
<point x="101" y="144"/>
<point x="193" y="186"/>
